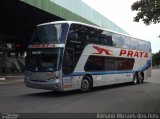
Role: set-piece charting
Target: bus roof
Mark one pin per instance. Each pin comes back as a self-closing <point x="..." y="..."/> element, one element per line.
<point x="75" y="22"/>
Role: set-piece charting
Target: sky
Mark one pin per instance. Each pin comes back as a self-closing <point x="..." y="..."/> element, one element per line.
<point x="119" y="12"/>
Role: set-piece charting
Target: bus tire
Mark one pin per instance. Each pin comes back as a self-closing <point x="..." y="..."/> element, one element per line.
<point x="135" y="79"/>
<point x="86" y="84"/>
<point x="141" y="77"/>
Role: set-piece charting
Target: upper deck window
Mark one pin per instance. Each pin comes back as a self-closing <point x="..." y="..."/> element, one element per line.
<point x="51" y="33"/>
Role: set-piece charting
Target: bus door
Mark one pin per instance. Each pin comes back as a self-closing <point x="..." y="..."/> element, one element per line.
<point x="68" y="69"/>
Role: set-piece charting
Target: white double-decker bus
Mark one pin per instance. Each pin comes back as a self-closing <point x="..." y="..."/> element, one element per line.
<point x="67" y="55"/>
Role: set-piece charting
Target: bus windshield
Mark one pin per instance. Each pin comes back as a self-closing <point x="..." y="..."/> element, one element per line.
<point x="51" y="33"/>
<point x="44" y="59"/>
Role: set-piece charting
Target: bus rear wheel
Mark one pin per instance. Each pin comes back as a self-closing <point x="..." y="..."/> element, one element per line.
<point x="138" y="78"/>
<point x="86" y="84"/>
<point x="141" y="77"/>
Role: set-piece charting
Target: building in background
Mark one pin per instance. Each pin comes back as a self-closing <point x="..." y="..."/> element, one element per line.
<point x="19" y="18"/>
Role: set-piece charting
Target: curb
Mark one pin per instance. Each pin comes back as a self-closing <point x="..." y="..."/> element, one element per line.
<point x="3" y="78"/>
<point x="7" y="82"/>
<point x="6" y="79"/>
<point x="14" y="77"/>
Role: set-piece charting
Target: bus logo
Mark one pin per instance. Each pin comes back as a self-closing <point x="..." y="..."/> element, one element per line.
<point x="135" y="54"/>
<point x="101" y="50"/>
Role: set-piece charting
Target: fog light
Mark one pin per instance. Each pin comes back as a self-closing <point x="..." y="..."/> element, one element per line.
<point x="56" y="86"/>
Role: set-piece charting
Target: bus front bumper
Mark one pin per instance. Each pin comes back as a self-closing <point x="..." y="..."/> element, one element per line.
<point x="56" y="86"/>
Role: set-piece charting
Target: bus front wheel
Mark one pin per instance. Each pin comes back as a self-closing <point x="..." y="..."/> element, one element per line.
<point x="86" y="84"/>
<point x="135" y="79"/>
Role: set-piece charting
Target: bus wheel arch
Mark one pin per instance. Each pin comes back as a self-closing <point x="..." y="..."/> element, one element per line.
<point x="86" y="83"/>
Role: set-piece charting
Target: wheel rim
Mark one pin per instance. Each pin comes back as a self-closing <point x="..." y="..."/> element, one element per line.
<point x="135" y="80"/>
<point x="85" y="85"/>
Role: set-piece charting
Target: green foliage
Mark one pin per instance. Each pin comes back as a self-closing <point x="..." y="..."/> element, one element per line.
<point x="156" y="59"/>
<point x="148" y="11"/>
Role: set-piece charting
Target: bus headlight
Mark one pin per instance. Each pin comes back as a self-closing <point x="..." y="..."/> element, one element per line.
<point x="53" y="79"/>
<point x="57" y="79"/>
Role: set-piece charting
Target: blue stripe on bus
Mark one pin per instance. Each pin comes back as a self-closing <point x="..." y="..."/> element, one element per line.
<point x="146" y="66"/>
<point x="97" y="73"/>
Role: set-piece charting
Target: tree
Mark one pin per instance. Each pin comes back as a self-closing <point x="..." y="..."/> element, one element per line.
<point x="156" y="59"/>
<point x="148" y="11"/>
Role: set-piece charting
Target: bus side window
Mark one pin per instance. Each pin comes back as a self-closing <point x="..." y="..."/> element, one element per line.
<point x="105" y="38"/>
<point x="118" y="40"/>
<point x="127" y="43"/>
<point x="134" y="44"/>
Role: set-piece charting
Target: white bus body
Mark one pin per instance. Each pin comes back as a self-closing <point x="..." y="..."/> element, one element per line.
<point x="75" y="55"/>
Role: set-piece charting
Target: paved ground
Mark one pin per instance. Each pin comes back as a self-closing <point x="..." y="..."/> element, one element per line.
<point x="15" y="97"/>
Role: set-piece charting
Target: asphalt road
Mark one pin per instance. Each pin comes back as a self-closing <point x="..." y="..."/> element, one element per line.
<point x="127" y="98"/>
